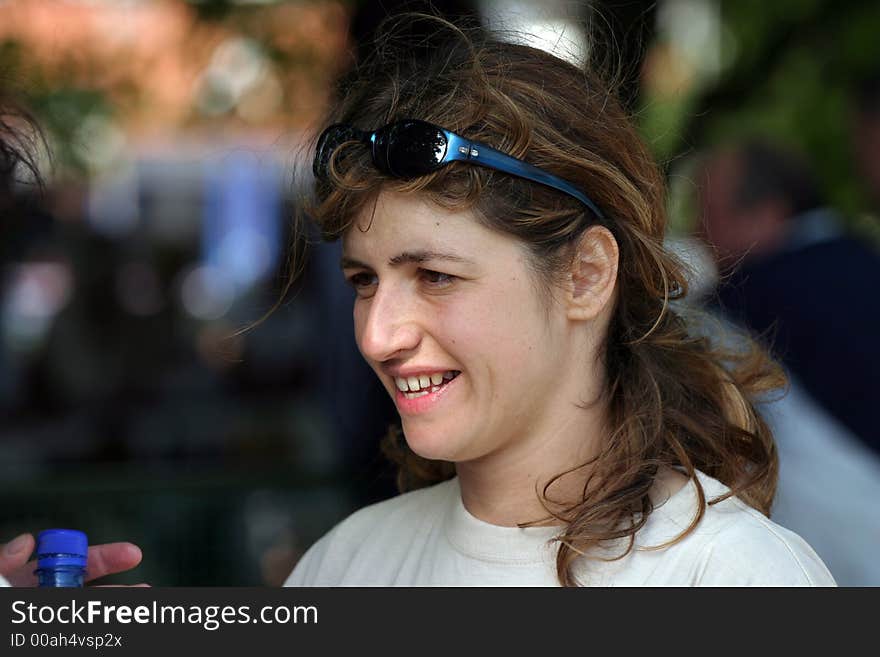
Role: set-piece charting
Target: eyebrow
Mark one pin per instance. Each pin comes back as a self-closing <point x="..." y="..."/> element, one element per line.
<point x="416" y="257"/>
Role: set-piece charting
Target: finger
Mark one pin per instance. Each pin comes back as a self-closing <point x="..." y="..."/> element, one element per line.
<point x="103" y="560"/>
<point x="13" y="558"/>
<point x="111" y="558"/>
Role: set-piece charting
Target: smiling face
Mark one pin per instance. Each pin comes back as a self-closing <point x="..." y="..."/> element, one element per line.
<point x="440" y="294"/>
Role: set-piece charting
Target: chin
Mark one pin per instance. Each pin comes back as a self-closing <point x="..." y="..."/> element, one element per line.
<point x="430" y="444"/>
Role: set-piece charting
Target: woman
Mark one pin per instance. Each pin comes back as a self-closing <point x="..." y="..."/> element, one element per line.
<point x="561" y="423"/>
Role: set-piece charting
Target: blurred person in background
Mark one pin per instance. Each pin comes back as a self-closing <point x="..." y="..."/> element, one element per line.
<point x="20" y="138"/>
<point x="791" y="275"/>
<point x="557" y="415"/>
<point x="866" y="135"/>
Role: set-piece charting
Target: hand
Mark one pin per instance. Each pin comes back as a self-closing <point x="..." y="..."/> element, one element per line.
<point x="105" y="559"/>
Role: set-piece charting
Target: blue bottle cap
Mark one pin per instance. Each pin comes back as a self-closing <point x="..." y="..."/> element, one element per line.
<point x="62" y="547"/>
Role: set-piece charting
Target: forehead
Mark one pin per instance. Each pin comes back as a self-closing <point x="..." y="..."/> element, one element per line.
<point x="409" y="221"/>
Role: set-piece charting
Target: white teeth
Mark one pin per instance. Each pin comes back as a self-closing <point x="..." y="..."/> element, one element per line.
<point x="413" y="395"/>
<point x="423" y="383"/>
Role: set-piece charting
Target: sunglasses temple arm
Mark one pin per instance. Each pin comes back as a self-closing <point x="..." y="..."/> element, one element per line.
<point x="489" y="157"/>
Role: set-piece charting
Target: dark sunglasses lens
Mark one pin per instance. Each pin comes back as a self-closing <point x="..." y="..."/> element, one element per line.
<point x="328" y="142"/>
<point x="410" y="148"/>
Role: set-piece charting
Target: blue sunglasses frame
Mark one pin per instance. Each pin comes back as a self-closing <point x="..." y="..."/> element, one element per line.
<point x="455" y="149"/>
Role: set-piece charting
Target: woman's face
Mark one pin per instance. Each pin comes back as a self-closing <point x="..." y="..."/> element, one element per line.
<point x="449" y="317"/>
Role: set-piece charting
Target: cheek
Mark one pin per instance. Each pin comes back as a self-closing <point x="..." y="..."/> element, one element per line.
<point x="476" y="325"/>
<point x="500" y="333"/>
<point x="359" y="316"/>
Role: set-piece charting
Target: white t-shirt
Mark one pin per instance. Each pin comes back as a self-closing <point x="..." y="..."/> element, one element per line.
<point x="428" y="538"/>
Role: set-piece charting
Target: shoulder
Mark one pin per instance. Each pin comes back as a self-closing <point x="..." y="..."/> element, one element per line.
<point x="736" y="545"/>
<point x="374" y="526"/>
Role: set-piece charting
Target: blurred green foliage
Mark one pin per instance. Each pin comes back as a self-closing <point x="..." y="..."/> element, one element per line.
<point x="791" y="66"/>
<point x="62" y="107"/>
<point x="788" y="70"/>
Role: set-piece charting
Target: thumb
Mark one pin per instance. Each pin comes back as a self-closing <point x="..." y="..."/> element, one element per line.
<point x="15" y="553"/>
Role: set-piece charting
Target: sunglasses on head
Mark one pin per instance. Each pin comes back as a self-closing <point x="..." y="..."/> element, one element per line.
<point x="411" y="148"/>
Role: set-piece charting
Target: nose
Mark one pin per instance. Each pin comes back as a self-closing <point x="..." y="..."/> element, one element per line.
<point x="387" y="327"/>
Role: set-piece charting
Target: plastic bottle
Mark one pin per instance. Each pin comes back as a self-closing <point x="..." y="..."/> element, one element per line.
<point x="61" y="557"/>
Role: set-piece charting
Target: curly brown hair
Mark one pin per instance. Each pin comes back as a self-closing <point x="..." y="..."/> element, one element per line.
<point x="20" y="141"/>
<point x="674" y="398"/>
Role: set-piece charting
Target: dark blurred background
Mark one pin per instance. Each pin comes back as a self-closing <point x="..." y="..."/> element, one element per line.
<point x="132" y="407"/>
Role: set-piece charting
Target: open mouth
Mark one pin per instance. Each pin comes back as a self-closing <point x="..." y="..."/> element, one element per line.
<point x="414" y="387"/>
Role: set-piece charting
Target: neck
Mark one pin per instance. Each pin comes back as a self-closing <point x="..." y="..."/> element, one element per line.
<point x="506" y="487"/>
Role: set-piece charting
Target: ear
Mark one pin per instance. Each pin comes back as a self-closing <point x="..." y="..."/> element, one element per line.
<point x="593" y="274"/>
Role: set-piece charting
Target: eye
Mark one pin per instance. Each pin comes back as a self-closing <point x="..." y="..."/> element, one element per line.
<point x="436" y="278"/>
<point x="362" y="282"/>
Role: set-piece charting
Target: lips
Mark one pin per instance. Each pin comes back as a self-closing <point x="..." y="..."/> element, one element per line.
<point x="424" y="400"/>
